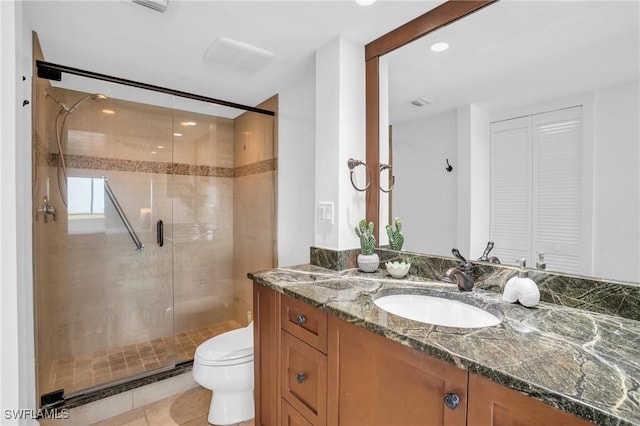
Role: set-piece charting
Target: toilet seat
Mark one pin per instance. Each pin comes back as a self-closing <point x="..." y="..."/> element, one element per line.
<point x="230" y="348"/>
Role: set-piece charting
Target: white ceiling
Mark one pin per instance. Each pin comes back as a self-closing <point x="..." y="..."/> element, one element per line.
<point x="515" y="53"/>
<point x="511" y="53"/>
<point x="127" y="40"/>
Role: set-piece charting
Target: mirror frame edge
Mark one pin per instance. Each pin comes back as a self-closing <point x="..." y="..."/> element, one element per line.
<point x="442" y="15"/>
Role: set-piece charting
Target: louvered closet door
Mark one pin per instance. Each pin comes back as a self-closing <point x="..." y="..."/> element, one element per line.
<point x="511" y="188"/>
<point x="557" y="188"/>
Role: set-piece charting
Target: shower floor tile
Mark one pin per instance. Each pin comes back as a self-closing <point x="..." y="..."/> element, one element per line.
<point x="85" y="371"/>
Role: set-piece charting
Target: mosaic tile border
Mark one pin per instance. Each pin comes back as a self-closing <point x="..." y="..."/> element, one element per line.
<point x="122" y="165"/>
<point x="616" y="298"/>
<point x="255" y="168"/>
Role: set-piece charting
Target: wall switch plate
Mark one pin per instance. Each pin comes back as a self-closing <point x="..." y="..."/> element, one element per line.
<point x="325" y="212"/>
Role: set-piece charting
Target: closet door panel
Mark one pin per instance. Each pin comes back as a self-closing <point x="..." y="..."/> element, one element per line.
<point x="511" y="187"/>
<point x="557" y="188"/>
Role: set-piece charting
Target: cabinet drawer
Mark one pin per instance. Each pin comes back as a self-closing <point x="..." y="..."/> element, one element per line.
<point x="304" y="378"/>
<point x="290" y="417"/>
<point x="307" y="323"/>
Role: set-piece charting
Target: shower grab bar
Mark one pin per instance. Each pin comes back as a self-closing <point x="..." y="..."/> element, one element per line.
<point x="123" y="217"/>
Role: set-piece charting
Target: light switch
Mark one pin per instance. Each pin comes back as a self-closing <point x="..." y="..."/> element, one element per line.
<point x="325" y="212"/>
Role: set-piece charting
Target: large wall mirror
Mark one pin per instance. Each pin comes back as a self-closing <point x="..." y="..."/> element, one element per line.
<point x="536" y="106"/>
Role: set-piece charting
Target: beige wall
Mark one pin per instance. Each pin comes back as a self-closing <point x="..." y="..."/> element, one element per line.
<point x="254" y="202"/>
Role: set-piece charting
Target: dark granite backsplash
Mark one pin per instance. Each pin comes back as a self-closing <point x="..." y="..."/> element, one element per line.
<point x="595" y="295"/>
<point x="336" y="260"/>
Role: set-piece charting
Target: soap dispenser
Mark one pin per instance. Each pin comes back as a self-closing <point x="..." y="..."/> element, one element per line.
<point x="521" y="288"/>
<point x="540" y="264"/>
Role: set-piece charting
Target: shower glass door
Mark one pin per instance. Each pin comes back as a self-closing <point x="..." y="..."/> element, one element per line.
<point x="161" y="208"/>
<point x="104" y="305"/>
<point x="203" y="223"/>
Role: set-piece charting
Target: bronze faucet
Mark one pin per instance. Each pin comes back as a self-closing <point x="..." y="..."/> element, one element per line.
<point x="462" y="273"/>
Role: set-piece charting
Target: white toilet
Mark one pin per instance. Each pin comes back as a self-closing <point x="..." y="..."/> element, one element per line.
<point x="224" y="364"/>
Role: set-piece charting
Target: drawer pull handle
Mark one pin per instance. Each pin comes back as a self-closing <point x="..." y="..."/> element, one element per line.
<point x="301" y="378"/>
<point x="452" y="400"/>
<point x="300" y="319"/>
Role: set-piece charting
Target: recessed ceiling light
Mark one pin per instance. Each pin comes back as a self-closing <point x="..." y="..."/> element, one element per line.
<point x="177" y="134"/>
<point x="160" y="146"/>
<point x="439" y="47"/>
<point x="365" y="2"/>
<point x="108" y="111"/>
<point x="188" y="123"/>
<point x="154" y="152"/>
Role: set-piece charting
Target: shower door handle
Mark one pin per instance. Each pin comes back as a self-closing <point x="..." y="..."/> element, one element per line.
<point x="160" y="233"/>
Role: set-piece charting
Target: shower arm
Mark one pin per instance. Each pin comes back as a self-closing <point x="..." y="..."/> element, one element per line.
<point x="123" y="217"/>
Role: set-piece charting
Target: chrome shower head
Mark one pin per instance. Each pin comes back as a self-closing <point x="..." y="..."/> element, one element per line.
<point x="93" y="97"/>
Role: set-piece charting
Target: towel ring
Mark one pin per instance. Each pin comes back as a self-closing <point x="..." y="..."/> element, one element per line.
<point x="352" y="165"/>
<point x="384" y="167"/>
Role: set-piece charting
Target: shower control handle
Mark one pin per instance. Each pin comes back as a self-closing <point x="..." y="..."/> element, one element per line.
<point x="301" y="319"/>
<point x="47" y="209"/>
<point x="160" y="233"/>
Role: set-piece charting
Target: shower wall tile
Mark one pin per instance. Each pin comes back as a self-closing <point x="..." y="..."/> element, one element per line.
<point x="256" y="256"/>
<point x="209" y="143"/>
<point x="203" y="205"/>
<point x="254" y="200"/>
<point x="215" y="189"/>
<point x="254" y="233"/>
<point x="253" y="138"/>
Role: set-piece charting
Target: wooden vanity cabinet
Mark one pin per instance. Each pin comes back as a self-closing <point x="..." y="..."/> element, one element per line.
<point x="354" y="377"/>
<point x="491" y="404"/>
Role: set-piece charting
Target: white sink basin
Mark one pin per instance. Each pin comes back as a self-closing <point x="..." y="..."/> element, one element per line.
<point x="437" y="311"/>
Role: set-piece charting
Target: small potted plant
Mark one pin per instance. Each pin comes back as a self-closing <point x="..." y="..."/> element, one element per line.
<point x="368" y="259"/>
<point x="396" y="239"/>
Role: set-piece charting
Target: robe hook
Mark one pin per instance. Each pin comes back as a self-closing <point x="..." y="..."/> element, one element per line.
<point x="449" y="166"/>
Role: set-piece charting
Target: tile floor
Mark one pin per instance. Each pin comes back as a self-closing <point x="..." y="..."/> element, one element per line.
<point x="88" y="370"/>
<point x="190" y="408"/>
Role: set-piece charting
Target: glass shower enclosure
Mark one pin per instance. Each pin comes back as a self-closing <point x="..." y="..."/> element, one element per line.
<point x="149" y="208"/>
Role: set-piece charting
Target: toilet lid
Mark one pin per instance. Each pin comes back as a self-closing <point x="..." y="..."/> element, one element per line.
<point x="226" y="346"/>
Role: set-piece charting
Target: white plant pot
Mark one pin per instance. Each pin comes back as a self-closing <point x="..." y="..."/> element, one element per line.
<point x="368" y="262"/>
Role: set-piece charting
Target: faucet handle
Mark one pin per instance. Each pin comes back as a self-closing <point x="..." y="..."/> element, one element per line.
<point x="487" y="250"/>
<point x="457" y="254"/>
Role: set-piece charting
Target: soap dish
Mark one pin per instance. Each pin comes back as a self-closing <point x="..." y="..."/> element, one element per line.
<point x="398" y="269"/>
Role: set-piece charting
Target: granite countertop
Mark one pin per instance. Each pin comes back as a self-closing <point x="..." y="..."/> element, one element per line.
<point x="582" y="362"/>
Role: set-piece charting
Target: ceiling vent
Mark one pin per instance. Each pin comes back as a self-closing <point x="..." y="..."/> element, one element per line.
<point x="237" y="55"/>
<point x="157" y="5"/>
<point x="421" y="101"/>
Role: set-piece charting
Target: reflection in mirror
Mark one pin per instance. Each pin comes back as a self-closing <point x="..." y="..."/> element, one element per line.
<point x="540" y="124"/>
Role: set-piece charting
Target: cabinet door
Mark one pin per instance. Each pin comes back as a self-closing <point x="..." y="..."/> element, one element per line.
<point x="304" y="378"/>
<point x="290" y="417"/>
<point x="374" y="381"/>
<point x="266" y="329"/>
<point x="491" y="404"/>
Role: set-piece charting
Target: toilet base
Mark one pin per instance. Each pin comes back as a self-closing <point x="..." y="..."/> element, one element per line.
<point x="230" y="408"/>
